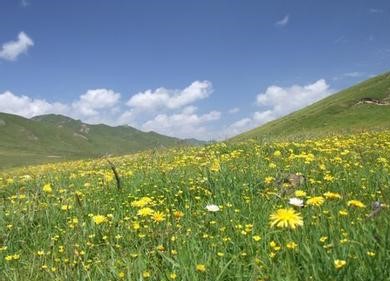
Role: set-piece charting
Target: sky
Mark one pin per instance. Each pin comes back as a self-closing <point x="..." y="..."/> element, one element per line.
<point x="190" y="69"/>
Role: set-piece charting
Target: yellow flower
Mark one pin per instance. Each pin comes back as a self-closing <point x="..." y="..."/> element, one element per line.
<point x="371" y="254"/>
<point x="300" y="193"/>
<point x="256" y="238"/>
<point x="142" y="202"/>
<point x="172" y="276"/>
<point x="158" y="217"/>
<point x="66" y="207"/>
<point x="47" y="188"/>
<point x="215" y="166"/>
<point x="144" y="212"/>
<point x="268" y="180"/>
<point x="315" y="201"/>
<point x="332" y="195"/>
<point x="200" y="267"/>
<point x="146" y="274"/>
<point x="356" y="203"/>
<point x="98" y="219"/>
<point x="286" y="218"/>
<point x="343" y="213"/>
<point x="339" y="263"/>
<point x="178" y="214"/>
<point x="291" y="245"/>
<point x="121" y="275"/>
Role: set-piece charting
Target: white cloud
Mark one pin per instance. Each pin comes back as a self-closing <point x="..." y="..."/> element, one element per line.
<point x="277" y="101"/>
<point x="284" y="21"/>
<point x="234" y="110"/>
<point x="93" y="100"/>
<point x="176" y="116"/>
<point x="185" y="124"/>
<point x="163" y="98"/>
<point x="12" y="49"/>
<point x="28" y="107"/>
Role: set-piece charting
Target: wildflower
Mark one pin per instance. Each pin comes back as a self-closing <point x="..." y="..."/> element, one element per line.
<point x="295" y="202"/>
<point x="300" y="193"/>
<point x="144" y="212"/>
<point x="178" y="214"/>
<point x="339" y="263"/>
<point x="66" y="207"/>
<point x="144" y="201"/>
<point x="98" y="219"/>
<point x="121" y="275"/>
<point x="291" y="245"/>
<point x="286" y="218"/>
<point x="172" y="276"/>
<point x="212" y="208"/>
<point x="256" y="238"/>
<point x="277" y="153"/>
<point x="315" y="201"/>
<point x="332" y="195"/>
<point x="371" y="254"/>
<point x="200" y="267"/>
<point x="268" y="180"/>
<point x="356" y="203"/>
<point x="158" y="217"/>
<point x="343" y="213"/>
<point x="146" y="274"/>
<point x="215" y="166"/>
<point x="47" y="188"/>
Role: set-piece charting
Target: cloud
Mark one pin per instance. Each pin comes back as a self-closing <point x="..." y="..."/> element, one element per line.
<point x="12" y="49"/>
<point x="284" y="21"/>
<point x="277" y="101"/>
<point x="234" y="110"/>
<point x="93" y="100"/>
<point x="173" y="115"/>
<point x="28" y="107"/>
<point x="185" y="124"/>
<point x="163" y="98"/>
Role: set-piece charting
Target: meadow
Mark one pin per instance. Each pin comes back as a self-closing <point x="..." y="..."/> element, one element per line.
<point x="219" y="212"/>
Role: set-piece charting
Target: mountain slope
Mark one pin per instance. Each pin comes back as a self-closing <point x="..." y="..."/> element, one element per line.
<point x="364" y="106"/>
<point x="52" y="137"/>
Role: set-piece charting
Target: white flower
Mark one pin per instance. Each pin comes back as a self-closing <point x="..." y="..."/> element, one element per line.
<point x="296" y="202"/>
<point x="212" y="208"/>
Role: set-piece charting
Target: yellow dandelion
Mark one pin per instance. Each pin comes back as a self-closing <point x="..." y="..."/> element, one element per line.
<point x="356" y="203"/>
<point x="158" y="216"/>
<point x="200" y="267"/>
<point x="300" y="193"/>
<point x="286" y="218"/>
<point x="339" y="263"/>
<point x="47" y="188"/>
<point x="99" y="219"/>
<point x="315" y="201"/>
<point x="144" y="212"/>
<point x="332" y="195"/>
<point x="291" y="245"/>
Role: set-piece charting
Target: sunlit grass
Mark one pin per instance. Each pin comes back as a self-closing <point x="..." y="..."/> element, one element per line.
<point x="69" y="221"/>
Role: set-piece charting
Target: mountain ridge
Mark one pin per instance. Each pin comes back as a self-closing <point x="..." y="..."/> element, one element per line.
<point x="54" y="137"/>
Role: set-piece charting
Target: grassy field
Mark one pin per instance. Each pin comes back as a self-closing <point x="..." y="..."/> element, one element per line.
<point x="338" y="113"/>
<point x="219" y="212"/>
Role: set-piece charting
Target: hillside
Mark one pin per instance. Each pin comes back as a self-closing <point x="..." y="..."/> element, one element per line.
<point x="52" y="137"/>
<point x="364" y="106"/>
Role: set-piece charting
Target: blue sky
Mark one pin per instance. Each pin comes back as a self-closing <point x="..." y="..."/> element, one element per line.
<point x="204" y="69"/>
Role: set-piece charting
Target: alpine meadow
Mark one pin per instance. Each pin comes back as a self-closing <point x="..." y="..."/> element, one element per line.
<point x="194" y="140"/>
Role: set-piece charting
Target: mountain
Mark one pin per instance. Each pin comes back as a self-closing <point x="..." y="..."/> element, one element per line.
<point x="49" y="138"/>
<point x="365" y="106"/>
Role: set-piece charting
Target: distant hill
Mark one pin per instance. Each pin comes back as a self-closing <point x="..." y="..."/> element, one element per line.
<point x="365" y="106"/>
<point x="52" y="137"/>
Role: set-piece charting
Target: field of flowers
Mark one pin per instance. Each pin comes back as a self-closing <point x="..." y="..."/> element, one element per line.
<point x="307" y="210"/>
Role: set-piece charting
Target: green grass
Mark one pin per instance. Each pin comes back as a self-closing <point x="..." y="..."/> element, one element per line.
<point x="43" y="240"/>
<point x="338" y="113"/>
<point x="51" y="138"/>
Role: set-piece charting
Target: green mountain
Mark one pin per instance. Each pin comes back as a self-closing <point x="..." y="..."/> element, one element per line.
<point x="49" y="138"/>
<point x="365" y="106"/>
